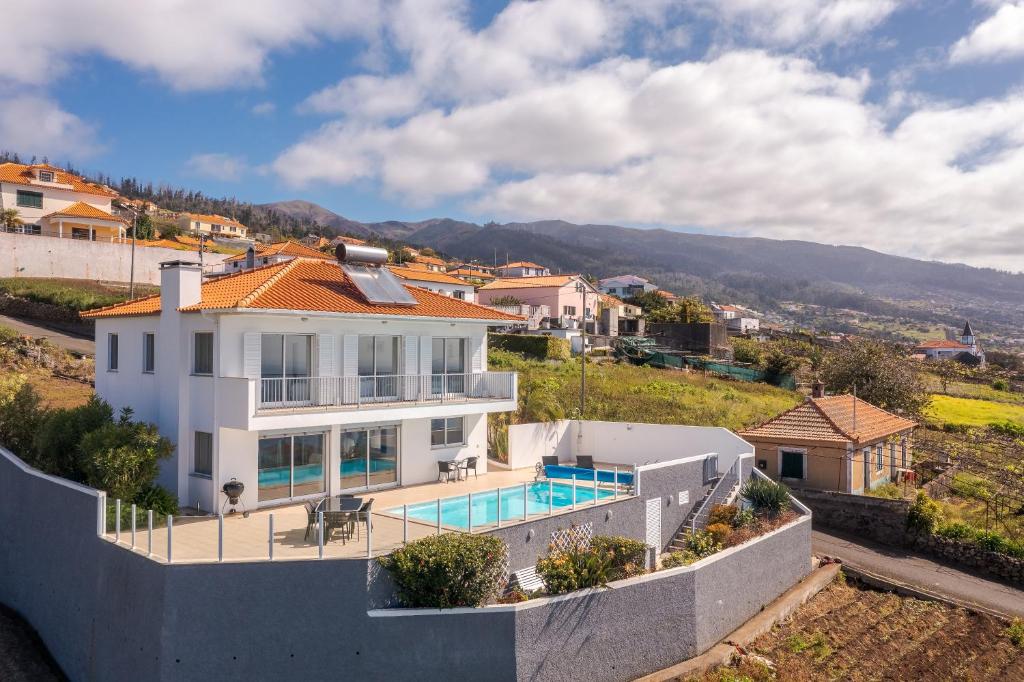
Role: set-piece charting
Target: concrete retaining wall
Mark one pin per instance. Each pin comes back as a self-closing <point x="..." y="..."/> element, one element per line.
<point x="109" y="614"/>
<point x="38" y="256"/>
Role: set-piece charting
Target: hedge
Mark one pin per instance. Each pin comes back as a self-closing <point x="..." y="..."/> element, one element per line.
<point x="532" y="345"/>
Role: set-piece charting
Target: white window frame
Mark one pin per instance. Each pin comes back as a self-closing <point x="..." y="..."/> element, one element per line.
<point x="113" y="354"/>
<point x="46" y="176"/>
<point x="195" y="450"/>
<point x="879" y="457"/>
<point x="152" y="368"/>
<point x="568" y="310"/>
<point x="447" y="444"/>
<point x="792" y="451"/>
<point x="195" y="337"/>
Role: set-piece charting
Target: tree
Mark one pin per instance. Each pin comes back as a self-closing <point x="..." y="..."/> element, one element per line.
<point x="692" y="309"/>
<point x="747" y="351"/>
<point x="21" y="413"/>
<point x="143" y="227"/>
<point x="10" y="219"/>
<point x="648" y="301"/>
<point x="948" y="370"/>
<point x="777" y="364"/>
<point x="122" y="457"/>
<point x="58" y="441"/>
<point x="880" y="373"/>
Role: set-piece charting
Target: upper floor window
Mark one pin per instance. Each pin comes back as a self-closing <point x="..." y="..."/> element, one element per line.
<point x="379" y="355"/>
<point x="29" y="199"/>
<point x="202" y="355"/>
<point x="459" y="294"/>
<point x="879" y="458"/>
<point x="112" y="352"/>
<point x="46" y="176"/>
<point x="148" y="352"/>
<point x="568" y="310"/>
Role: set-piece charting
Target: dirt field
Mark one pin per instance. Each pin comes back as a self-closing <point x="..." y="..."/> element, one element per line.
<point x="848" y="632"/>
<point x="23" y="658"/>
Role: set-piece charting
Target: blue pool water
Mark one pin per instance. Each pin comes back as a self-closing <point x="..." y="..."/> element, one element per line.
<point x="455" y="510"/>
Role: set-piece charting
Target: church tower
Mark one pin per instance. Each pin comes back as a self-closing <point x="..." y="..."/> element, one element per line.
<point x="967" y="337"/>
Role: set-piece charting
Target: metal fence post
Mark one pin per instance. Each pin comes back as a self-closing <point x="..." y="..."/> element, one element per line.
<point x="220" y="537"/>
<point x="117" y="521"/>
<point x="133" y="525"/>
<point x="369" y="534"/>
<point x="149" y="523"/>
<point x="469" y="513"/>
<point x="595" y="486"/>
<point x="615" y="483"/>
<point x="526" y="508"/>
<point x="439" y="516"/>
<point x="270" y="537"/>
<point x="499" y="507"/>
<point x="405" y="524"/>
<point x="170" y="537"/>
<point x="320" y="532"/>
<point x="574" y="492"/>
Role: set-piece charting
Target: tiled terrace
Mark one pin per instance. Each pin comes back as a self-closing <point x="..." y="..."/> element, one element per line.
<point x="195" y="538"/>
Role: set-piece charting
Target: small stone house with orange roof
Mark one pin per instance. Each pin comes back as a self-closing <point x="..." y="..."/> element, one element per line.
<point x="836" y="442"/>
<point x="299" y="380"/>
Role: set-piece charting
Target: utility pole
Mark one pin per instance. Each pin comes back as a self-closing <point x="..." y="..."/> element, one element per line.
<point x="135" y="231"/>
<point x="582" y="288"/>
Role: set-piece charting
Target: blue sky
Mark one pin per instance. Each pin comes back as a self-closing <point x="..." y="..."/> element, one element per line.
<point x="893" y="124"/>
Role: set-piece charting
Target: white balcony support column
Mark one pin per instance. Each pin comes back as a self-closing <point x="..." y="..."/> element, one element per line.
<point x="60" y="229"/>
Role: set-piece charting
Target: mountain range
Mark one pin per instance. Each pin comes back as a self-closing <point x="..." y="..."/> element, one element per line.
<point x="762" y="273"/>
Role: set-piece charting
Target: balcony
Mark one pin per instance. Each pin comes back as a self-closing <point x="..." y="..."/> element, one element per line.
<point x="362" y="392"/>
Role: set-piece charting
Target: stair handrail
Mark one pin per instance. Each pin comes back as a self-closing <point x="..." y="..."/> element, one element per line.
<point x="706" y="503"/>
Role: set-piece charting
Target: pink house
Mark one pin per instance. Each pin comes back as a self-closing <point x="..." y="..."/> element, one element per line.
<point x="559" y="292"/>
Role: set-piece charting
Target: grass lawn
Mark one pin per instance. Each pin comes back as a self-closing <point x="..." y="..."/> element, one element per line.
<point x="945" y="409"/>
<point x="963" y="389"/>
<point x="624" y="392"/>
<point x="74" y="294"/>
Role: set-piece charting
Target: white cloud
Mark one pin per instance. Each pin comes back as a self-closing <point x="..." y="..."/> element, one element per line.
<point x="33" y="124"/>
<point x="799" y="23"/>
<point x="998" y="38"/>
<point x="217" y="166"/>
<point x="189" y="44"/>
<point x="264" y="109"/>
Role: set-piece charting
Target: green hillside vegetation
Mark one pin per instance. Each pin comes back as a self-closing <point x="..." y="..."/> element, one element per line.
<point x="623" y="392"/>
<point x="965" y="389"/>
<point x="73" y="294"/>
<point x="949" y="410"/>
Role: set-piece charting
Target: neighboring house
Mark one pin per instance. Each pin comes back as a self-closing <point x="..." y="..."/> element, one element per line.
<point x="667" y="295"/>
<point x="278" y="252"/>
<point x="522" y="269"/>
<point x="625" y="286"/>
<point x="966" y="350"/>
<point x="472" y="274"/>
<point x="833" y="443"/>
<point x="432" y="263"/>
<point x="737" y="320"/>
<point x="346" y="240"/>
<point x="438" y="282"/>
<point x="558" y="292"/>
<point x="213" y="225"/>
<point x="54" y="203"/>
<point x="317" y="242"/>
<point x="290" y="379"/>
<point x="618" y="317"/>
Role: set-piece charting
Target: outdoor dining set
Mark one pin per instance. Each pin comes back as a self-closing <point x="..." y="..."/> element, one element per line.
<point x="344" y="514"/>
<point x="456" y="469"/>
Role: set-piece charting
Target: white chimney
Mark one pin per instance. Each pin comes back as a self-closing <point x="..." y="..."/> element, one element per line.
<point x="180" y="284"/>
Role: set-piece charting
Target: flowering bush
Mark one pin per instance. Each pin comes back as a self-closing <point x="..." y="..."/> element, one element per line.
<point x="628" y="556"/>
<point x="576" y="569"/>
<point x="719" y="532"/>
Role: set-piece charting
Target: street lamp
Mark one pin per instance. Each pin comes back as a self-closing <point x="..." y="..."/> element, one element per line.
<point x="581" y="289"/>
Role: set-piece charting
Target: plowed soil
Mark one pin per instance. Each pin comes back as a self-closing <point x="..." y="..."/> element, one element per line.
<point x="851" y="632"/>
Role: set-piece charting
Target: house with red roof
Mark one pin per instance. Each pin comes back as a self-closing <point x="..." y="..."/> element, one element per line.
<point x="966" y="350"/>
<point x="302" y="378"/>
<point x="522" y="268"/>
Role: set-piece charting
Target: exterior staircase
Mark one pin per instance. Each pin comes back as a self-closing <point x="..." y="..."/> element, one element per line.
<point x="721" y="492"/>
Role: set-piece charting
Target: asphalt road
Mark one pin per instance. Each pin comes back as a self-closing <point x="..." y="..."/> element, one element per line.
<point x="75" y="344"/>
<point x="915" y="570"/>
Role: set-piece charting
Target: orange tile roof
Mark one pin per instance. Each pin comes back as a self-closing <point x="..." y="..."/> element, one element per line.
<point x="429" y="260"/>
<point x="286" y="248"/>
<point x="347" y="240"/>
<point x="466" y="272"/>
<point x="831" y="419"/>
<point x="522" y="264"/>
<point x="80" y="209"/>
<point x="942" y="344"/>
<point x="21" y="174"/>
<point x="531" y="282"/>
<point x="667" y="295"/>
<point x="214" y="219"/>
<point x="307" y="286"/>
<point x="426" y="276"/>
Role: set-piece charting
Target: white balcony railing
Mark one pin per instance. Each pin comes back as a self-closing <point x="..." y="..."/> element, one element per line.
<point x="292" y="392"/>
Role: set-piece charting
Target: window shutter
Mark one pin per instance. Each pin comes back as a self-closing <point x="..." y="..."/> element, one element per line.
<point x="252" y="360"/>
<point x="350" y="355"/>
<point x="476" y="352"/>
<point x="325" y="355"/>
<point x="425" y="354"/>
<point x="411" y="366"/>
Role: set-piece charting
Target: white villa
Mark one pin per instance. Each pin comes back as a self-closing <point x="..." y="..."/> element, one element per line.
<point x="301" y="379"/>
<point x="214" y="226"/>
<point x="55" y="203"/>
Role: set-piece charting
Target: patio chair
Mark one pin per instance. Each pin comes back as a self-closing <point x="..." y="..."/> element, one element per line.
<point x="447" y="469"/>
<point x="364" y="514"/>
<point x="585" y="462"/>
<point x="312" y="507"/>
<point x="469" y="463"/>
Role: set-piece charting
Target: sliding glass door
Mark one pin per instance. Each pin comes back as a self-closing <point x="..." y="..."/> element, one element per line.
<point x="369" y="458"/>
<point x="291" y="466"/>
<point x="379" y="363"/>
<point x="448" y="365"/>
<point x="287" y="361"/>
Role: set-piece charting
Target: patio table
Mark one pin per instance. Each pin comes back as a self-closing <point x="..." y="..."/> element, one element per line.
<point x="455" y="464"/>
<point x="338" y="510"/>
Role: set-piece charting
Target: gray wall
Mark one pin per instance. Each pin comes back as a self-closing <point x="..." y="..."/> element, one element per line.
<point x="109" y="614"/>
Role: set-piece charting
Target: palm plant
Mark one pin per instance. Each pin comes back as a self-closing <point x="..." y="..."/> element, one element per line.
<point x="10" y="219"/>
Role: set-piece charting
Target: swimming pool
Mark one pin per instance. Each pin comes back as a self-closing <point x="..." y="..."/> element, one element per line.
<point x="455" y="510"/>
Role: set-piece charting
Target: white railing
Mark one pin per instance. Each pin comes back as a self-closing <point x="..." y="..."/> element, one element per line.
<point x="376" y="390"/>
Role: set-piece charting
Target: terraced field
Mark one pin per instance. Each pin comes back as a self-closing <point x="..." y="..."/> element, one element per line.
<point x="850" y="632"/>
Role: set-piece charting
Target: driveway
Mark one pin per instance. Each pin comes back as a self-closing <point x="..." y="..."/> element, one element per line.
<point x="903" y="566"/>
<point x="33" y="328"/>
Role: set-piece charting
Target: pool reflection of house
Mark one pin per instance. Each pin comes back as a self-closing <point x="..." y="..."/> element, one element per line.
<point x="302" y="378"/>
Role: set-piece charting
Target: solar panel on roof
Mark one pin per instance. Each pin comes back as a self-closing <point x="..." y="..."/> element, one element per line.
<point x="378" y="285"/>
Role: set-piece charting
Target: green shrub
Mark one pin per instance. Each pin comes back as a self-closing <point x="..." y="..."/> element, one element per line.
<point x="956" y="531"/>
<point x="744" y="517"/>
<point x="8" y="335"/>
<point x="723" y="513"/>
<point x="676" y="559"/>
<point x="888" y="491"/>
<point x="57" y="444"/>
<point x="448" y="571"/>
<point x="161" y="500"/>
<point x="531" y="345"/>
<point x="767" y="497"/>
<point x="924" y="515"/>
<point x="1015" y="633"/>
<point x="719" y="532"/>
<point x="701" y="544"/>
<point x="122" y="458"/>
<point x="575" y="570"/>
<point x="628" y="556"/>
<point x="21" y="413"/>
<point x="1000" y="385"/>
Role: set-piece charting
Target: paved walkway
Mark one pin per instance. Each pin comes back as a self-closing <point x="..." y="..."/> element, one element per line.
<point x="75" y="344"/>
<point x="912" y="569"/>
